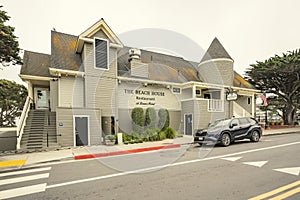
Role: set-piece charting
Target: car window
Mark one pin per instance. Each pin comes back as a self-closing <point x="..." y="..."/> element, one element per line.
<point x="235" y="121"/>
<point x="219" y="123"/>
<point x="252" y="121"/>
<point x="243" y="121"/>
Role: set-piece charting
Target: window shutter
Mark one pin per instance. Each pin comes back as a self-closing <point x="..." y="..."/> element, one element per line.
<point x="101" y="60"/>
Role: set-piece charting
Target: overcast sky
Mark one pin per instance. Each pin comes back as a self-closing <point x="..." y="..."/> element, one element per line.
<point x="250" y="31"/>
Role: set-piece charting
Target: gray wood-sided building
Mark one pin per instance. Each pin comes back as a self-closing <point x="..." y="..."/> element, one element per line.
<point x="90" y="83"/>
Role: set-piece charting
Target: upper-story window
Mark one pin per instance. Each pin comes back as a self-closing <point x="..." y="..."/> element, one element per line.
<point x="176" y="90"/>
<point x="101" y="53"/>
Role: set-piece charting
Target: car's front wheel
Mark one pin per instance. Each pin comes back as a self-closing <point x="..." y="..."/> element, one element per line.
<point x="225" y="139"/>
<point x="255" y="136"/>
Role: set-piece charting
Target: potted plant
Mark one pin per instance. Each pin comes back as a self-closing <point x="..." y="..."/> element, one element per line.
<point x="110" y="139"/>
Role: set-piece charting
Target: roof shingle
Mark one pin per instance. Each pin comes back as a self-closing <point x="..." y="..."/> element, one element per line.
<point x="63" y="54"/>
<point x="162" y="67"/>
<point x="35" y="64"/>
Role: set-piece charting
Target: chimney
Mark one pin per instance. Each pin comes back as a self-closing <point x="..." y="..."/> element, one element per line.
<point x="137" y="68"/>
<point x="134" y="55"/>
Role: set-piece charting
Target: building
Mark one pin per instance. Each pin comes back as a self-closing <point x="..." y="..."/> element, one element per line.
<point x="90" y="83"/>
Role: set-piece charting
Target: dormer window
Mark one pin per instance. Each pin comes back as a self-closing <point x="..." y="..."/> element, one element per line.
<point x="101" y="53"/>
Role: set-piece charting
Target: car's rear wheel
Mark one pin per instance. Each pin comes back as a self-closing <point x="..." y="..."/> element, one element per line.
<point x="225" y="139"/>
<point x="255" y="136"/>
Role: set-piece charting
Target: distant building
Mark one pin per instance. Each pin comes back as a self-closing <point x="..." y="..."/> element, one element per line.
<point x="91" y="82"/>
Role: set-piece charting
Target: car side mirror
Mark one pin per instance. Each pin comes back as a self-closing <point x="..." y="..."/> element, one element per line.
<point x="233" y="125"/>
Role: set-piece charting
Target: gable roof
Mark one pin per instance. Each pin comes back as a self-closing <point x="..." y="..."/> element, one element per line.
<point x="101" y="25"/>
<point x="35" y="64"/>
<point x="214" y="51"/>
<point x="91" y="31"/>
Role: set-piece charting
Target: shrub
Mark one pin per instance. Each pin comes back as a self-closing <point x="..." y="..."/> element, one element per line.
<point x="150" y="135"/>
<point x="150" y="118"/>
<point x="126" y="137"/>
<point x="162" y="135"/>
<point x="170" y="133"/>
<point x="137" y="116"/>
<point x="135" y="135"/>
<point x="164" y="119"/>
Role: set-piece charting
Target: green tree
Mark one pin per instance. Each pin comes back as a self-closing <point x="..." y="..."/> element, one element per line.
<point x="12" y="99"/>
<point x="9" y="46"/>
<point x="279" y="75"/>
<point x="137" y="116"/>
<point x="164" y="119"/>
<point x="150" y="118"/>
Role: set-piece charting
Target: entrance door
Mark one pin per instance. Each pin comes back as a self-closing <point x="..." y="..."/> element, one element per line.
<point x="188" y="124"/>
<point x="81" y="131"/>
<point x="41" y="98"/>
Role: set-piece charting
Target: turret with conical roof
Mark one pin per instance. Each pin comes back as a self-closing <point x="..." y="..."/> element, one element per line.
<point x="215" y="51"/>
<point x="216" y="66"/>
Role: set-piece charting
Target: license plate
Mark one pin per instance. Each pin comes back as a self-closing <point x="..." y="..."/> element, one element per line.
<point x="200" y="138"/>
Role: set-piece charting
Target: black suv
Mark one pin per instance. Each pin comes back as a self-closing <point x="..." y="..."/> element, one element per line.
<point x="225" y="131"/>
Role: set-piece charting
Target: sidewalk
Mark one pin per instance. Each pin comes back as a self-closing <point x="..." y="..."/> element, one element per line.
<point x="76" y="153"/>
<point x="280" y="131"/>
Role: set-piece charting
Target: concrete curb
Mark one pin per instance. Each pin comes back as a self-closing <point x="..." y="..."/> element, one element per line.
<point x="286" y="133"/>
<point x="123" y="152"/>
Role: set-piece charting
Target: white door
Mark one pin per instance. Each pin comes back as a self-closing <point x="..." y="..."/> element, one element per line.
<point x="41" y="97"/>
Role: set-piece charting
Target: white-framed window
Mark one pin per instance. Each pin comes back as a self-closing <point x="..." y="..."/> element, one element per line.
<point x="101" y="48"/>
<point x="176" y="90"/>
<point x="249" y="100"/>
<point x="198" y="93"/>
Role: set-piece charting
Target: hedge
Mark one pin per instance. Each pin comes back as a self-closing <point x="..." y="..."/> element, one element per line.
<point x="137" y="116"/>
<point x="164" y="119"/>
<point x="150" y="118"/>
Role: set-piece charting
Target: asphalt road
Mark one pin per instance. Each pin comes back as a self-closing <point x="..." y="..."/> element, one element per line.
<point x="268" y="169"/>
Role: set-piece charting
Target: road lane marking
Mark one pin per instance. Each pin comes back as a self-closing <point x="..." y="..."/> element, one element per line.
<point x="276" y="191"/>
<point x="287" y="194"/>
<point x="256" y="164"/>
<point x="167" y="165"/>
<point x="232" y="158"/>
<point x="23" y="179"/>
<point x="12" y="163"/>
<point x="26" y="171"/>
<point x="5" y="194"/>
<point x="291" y="170"/>
<point x="201" y="159"/>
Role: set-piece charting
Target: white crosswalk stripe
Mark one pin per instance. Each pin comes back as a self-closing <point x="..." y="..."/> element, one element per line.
<point x="25" y="171"/>
<point x="22" y="191"/>
<point x="9" y="179"/>
<point x="22" y="179"/>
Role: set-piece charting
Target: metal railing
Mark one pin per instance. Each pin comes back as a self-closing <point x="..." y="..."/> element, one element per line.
<point x="48" y="124"/>
<point x="22" y="121"/>
<point x="215" y="105"/>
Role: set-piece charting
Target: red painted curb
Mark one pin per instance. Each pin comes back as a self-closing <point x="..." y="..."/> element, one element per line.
<point x="114" y="153"/>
